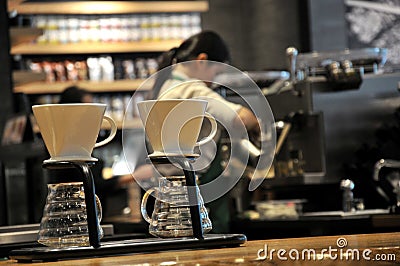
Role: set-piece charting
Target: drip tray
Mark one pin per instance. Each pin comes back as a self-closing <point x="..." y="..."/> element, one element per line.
<point x="17" y="234"/>
<point x="127" y="246"/>
<point x="25" y="236"/>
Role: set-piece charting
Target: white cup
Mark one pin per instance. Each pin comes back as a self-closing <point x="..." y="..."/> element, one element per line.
<point x="173" y="125"/>
<point x="70" y="131"/>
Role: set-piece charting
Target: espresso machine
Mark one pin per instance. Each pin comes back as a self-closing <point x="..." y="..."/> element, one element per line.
<point x="301" y="99"/>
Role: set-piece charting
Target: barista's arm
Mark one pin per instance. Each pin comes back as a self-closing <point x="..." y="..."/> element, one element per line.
<point x="247" y="118"/>
<point x="225" y="111"/>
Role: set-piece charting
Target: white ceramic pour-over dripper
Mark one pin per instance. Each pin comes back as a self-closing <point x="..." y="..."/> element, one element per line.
<point x="70" y="131"/>
<point x="173" y="126"/>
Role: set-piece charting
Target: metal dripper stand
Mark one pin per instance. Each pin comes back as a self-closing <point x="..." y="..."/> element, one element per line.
<point x="130" y="245"/>
<point x="89" y="188"/>
<point x="190" y="177"/>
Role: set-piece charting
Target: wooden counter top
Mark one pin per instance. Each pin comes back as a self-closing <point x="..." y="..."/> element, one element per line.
<point x="369" y="247"/>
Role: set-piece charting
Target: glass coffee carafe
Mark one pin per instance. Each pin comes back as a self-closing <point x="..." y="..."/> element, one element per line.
<point x="64" y="222"/>
<point x="171" y="216"/>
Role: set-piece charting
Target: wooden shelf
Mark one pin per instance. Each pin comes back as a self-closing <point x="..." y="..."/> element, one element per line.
<point x="42" y="87"/>
<point x="20" y="35"/>
<point x="93" y="48"/>
<point x="110" y="7"/>
<point x="13" y="4"/>
<point x="25" y="76"/>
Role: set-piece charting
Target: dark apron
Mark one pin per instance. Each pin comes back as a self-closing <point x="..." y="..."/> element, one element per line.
<point x="219" y="209"/>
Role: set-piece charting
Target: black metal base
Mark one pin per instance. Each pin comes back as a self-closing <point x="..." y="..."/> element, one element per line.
<point x="127" y="246"/>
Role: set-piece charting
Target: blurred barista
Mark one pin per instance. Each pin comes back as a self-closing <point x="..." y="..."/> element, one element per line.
<point x="173" y="84"/>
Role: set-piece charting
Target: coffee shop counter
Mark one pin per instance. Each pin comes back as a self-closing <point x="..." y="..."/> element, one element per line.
<point x="362" y="249"/>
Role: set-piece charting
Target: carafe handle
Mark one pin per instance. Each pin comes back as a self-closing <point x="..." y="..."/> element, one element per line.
<point x="99" y="208"/>
<point x="143" y="204"/>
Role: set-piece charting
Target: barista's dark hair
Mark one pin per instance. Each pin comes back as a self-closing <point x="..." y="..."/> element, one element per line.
<point x="207" y="42"/>
<point x="72" y="94"/>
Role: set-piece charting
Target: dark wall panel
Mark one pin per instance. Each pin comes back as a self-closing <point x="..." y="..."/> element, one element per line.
<point x="227" y="18"/>
<point x="272" y="27"/>
<point x="258" y="31"/>
<point x="327" y="25"/>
